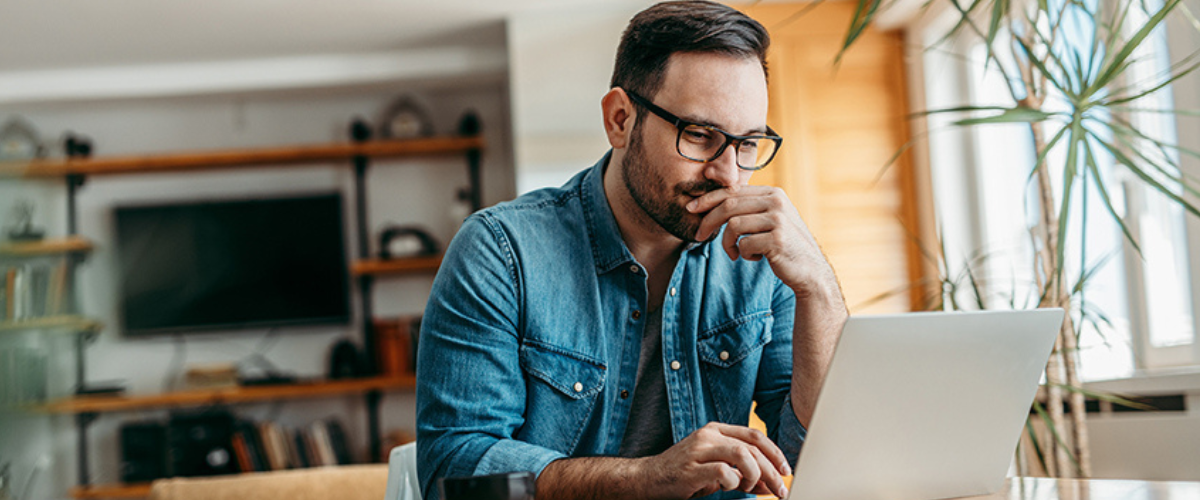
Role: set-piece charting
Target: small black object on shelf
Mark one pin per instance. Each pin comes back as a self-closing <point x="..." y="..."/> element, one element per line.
<point x="271" y="379"/>
<point x="469" y="124"/>
<point x="200" y="443"/>
<point x="144" y="452"/>
<point x="109" y="388"/>
<point x="345" y="361"/>
<point x="77" y="146"/>
<point x="360" y="130"/>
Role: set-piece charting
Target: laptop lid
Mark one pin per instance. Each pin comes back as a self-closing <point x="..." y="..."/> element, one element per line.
<point x="924" y="405"/>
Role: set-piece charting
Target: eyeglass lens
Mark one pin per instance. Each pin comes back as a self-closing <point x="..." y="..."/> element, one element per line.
<point x="700" y="143"/>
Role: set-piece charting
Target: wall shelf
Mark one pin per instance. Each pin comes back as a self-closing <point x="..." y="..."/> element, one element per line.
<point x="54" y="246"/>
<point x="359" y="154"/>
<point x="238" y="158"/>
<point x="409" y="265"/>
<point x="229" y="395"/>
<point x="70" y="324"/>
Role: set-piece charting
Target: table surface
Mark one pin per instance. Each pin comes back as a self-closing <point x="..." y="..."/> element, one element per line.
<point x="1036" y="488"/>
<point x="1040" y="488"/>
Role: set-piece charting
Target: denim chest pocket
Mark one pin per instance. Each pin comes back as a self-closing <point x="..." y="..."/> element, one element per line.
<point x="730" y="343"/>
<point x="561" y="394"/>
<point x="730" y="355"/>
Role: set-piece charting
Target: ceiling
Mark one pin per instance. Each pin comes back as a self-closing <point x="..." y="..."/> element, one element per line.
<point x="40" y="35"/>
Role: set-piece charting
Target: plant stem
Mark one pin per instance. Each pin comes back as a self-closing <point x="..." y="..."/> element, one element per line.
<point x="1079" y="430"/>
<point x="1060" y="465"/>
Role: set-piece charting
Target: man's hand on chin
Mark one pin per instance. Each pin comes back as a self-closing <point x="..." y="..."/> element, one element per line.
<point x="760" y="221"/>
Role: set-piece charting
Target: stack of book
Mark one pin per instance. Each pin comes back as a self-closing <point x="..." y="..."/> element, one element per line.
<point x="267" y="446"/>
<point x="33" y="290"/>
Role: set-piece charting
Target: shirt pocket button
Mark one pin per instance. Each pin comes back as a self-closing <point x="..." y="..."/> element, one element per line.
<point x="578" y="387"/>
<point x="724" y="355"/>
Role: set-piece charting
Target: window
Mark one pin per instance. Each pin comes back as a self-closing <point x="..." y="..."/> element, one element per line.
<point x="1138" y="310"/>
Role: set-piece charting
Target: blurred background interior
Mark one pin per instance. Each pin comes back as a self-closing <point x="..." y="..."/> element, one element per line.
<point x="177" y="176"/>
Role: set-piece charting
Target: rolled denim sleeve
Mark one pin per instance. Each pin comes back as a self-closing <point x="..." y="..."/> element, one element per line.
<point x="773" y="388"/>
<point x="470" y="388"/>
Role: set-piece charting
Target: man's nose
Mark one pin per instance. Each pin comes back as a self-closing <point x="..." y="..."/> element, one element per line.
<point x="723" y="169"/>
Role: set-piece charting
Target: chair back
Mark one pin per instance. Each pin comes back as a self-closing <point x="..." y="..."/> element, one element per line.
<point x="402" y="474"/>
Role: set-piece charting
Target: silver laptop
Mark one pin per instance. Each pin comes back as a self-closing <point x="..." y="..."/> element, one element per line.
<point x="924" y="406"/>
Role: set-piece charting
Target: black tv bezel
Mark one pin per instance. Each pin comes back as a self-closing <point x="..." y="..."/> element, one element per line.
<point x="217" y="328"/>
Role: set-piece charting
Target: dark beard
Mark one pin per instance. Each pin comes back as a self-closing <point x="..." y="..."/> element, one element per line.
<point x="643" y="183"/>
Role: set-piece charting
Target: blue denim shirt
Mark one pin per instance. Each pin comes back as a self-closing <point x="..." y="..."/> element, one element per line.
<point x="533" y="330"/>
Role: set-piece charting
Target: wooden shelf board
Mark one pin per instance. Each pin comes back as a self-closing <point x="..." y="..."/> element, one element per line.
<point x="408" y="265"/>
<point x="70" y="244"/>
<point x="235" y="158"/>
<point x="132" y="490"/>
<point x="228" y="395"/>
<point x="66" y="323"/>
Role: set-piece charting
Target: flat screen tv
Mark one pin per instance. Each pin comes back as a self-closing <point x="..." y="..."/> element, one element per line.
<point x="232" y="264"/>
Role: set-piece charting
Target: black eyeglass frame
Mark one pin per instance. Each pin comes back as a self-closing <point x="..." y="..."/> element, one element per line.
<point x="681" y="124"/>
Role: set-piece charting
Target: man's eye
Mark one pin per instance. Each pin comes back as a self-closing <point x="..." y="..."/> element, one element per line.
<point x="699" y="136"/>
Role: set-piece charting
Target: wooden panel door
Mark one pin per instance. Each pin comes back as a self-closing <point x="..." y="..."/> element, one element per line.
<point x="841" y="124"/>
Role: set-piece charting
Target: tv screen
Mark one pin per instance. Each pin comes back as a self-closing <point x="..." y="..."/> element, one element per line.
<point x="232" y="264"/>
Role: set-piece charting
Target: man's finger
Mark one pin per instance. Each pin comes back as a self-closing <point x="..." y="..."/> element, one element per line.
<point x="744" y="225"/>
<point x="738" y="454"/>
<point x="727" y="477"/>
<point x="755" y="246"/>
<point x="770" y="474"/>
<point x="761" y="441"/>
<point x="729" y="208"/>
<point x="711" y="199"/>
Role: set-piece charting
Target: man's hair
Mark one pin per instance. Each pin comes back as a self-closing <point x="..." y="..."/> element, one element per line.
<point x="683" y="26"/>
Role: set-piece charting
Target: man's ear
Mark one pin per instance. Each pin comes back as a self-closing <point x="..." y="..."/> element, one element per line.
<point x="619" y="117"/>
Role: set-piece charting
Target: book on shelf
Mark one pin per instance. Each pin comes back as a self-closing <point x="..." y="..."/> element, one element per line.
<point x="322" y="443"/>
<point x="300" y="447"/>
<point x="241" y="453"/>
<point x="268" y="446"/>
<point x="293" y="450"/>
<point x="337" y="441"/>
<point x="396" y="344"/>
<point x="254" y="461"/>
<point x="275" y="453"/>
<point x="34" y="290"/>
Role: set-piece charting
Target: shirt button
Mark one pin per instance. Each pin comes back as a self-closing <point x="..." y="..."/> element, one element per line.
<point x="724" y="355"/>
<point x="637" y="314"/>
<point x="578" y="387"/>
<point x="675" y="365"/>
<point x="634" y="269"/>
<point x="624" y="394"/>
<point x="672" y="291"/>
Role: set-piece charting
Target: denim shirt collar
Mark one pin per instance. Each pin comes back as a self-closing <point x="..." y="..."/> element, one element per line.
<point x="608" y="247"/>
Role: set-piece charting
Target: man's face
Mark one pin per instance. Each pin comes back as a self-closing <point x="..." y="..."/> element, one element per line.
<point x="712" y="89"/>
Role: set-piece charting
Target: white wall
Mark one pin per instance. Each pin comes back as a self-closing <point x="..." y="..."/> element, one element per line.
<point x="560" y="64"/>
<point x="1149" y="445"/>
<point x="414" y="191"/>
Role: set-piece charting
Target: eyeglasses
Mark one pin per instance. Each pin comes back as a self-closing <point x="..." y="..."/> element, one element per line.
<point x="704" y="143"/>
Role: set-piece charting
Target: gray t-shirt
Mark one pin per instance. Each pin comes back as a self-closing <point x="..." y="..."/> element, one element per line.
<point x="648" y="431"/>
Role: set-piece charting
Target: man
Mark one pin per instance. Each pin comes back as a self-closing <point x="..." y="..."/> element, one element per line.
<point x="610" y="335"/>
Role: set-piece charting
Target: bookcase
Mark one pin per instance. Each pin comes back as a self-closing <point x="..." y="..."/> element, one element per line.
<point x="364" y="271"/>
